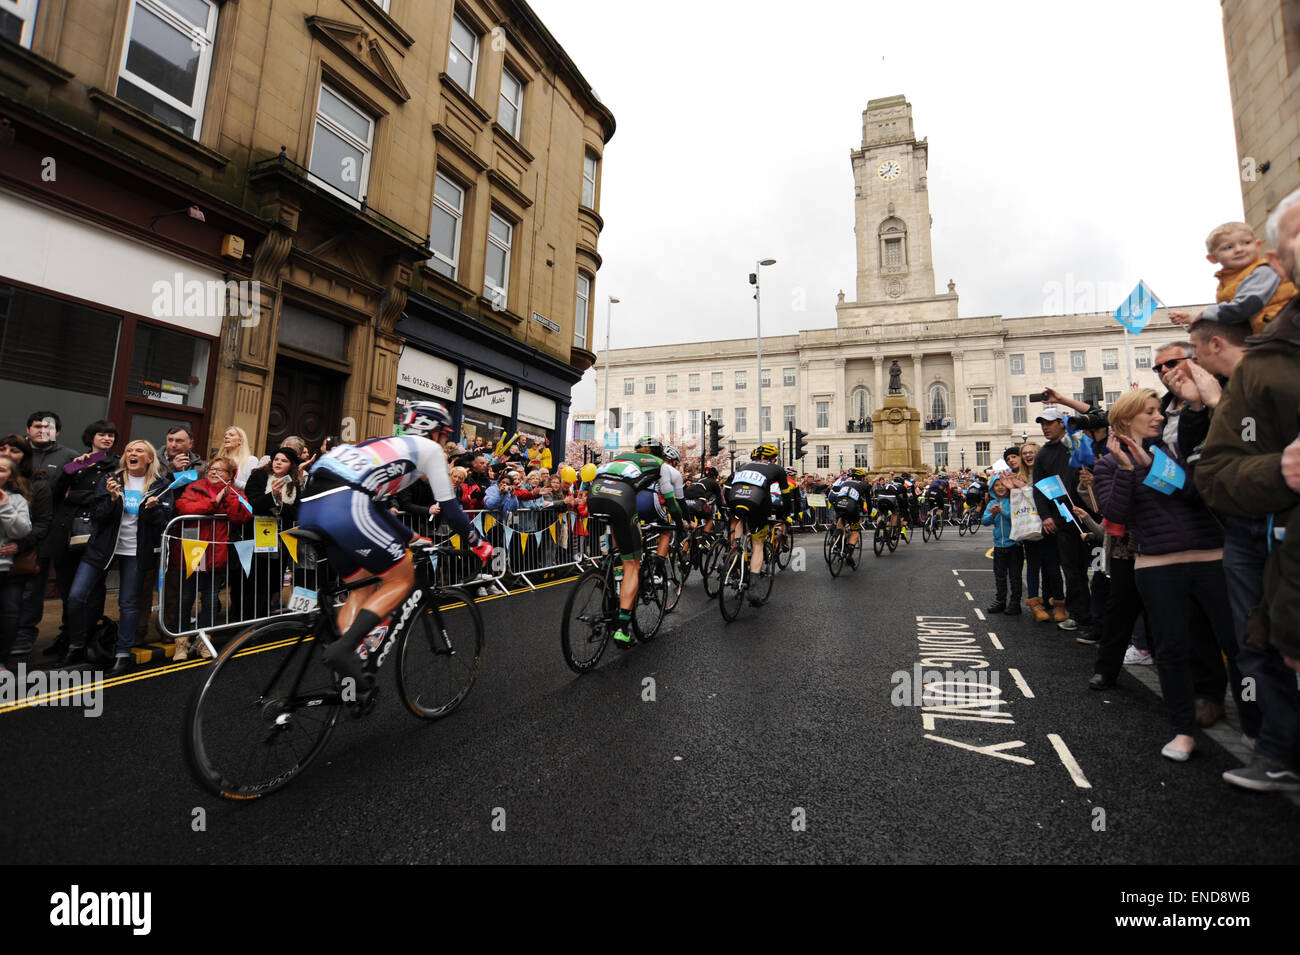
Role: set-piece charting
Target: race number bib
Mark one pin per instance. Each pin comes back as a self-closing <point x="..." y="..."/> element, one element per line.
<point x="756" y="478"/>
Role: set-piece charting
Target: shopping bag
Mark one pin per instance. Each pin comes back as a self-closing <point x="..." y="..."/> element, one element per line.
<point x="1025" y="522"/>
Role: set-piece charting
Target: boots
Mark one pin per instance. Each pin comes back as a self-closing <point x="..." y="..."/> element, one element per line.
<point x="1036" y="605"/>
<point x="182" y="651"/>
<point x="1059" y="614"/>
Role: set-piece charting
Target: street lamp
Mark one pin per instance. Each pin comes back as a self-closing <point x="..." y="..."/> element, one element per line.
<point x="963" y="459"/>
<point x="609" y="314"/>
<point x="758" y="328"/>
<point x="731" y="446"/>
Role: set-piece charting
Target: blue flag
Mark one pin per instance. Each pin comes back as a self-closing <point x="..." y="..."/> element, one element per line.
<point x="183" y="478"/>
<point x="1082" y="454"/>
<point x="1137" y="309"/>
<point x="1065" y="512"/>
<point x="1165" y="475"/>
<point x="1052" y="487"/>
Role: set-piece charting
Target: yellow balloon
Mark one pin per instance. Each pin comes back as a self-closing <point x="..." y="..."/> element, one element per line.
<point x="588" y="472"/>
<point x="568" y="475"/>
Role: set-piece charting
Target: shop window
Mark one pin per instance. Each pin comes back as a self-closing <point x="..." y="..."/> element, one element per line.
<point x="168" y="366"/>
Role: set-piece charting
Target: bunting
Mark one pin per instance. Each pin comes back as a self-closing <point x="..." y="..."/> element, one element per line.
<point x="291" y="544"/>
<point x="245" y="551"/>
<point x="195" y="552"/>
<point x="488" y="522"/>
<point x="455" y="541"/>
<point x="510" y="534"/>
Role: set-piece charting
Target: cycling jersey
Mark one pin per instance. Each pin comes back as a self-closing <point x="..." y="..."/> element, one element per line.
<point x="758" y="491"/>
<point x="851" y="499"/>
<point x="615" y="491"/>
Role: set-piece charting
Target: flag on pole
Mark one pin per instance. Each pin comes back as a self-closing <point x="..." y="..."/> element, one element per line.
<point x="1137" y="309"/>
<point x="183" y="478"/>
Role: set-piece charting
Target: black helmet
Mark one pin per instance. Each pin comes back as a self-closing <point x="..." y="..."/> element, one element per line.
<point x="423" y="418"/>
<point x="711" y="471"/>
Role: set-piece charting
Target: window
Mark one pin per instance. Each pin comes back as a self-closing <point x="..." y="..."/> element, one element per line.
<point x="823" y="414"/>
<point x="693" y="383"/>
<point x="614" y="418"/>
<point x="649" y="422"/>
<point x="1111" y="398"/>
<point x="893" y="252"/>
<point x="462" y="57"/>
<point x="1020" y="409"/>
<point x="650" y="385"/>
<point x="740" y="421"/>
<point x="860" y="456"/>
<point x="17" y="18"/>
<point x="1110" y="359"/>
<point x="716" y="415"/>
<point x="742" y="380"/>
<point x="694" y="425"/>
<point x="1142" y="357"/>
<point x="496" y="273"/>
<point x="860" y="404"/>
<point x="765" y="378"/>
<point x="165" y="61"/>
<point x="938" y="403"/>
<point x="510" y="111"/>
<point x="444" y="234"/>
<point x="1078" y="361"/>
<point x="672" y="425"/>
<point x="340" y="149"/>
<point x="981" y="454"/>
<point x="629" y="386"/>
<point x="1078" y="396"/>
<point x="787" y="377"/>
<point x="589" y="180"/>
<point x="941" y="455"/>
<point x="717" y="381"/>
<point x="787" y="416"/>
<point x="980" y="409"/>
<point x="1017" y="364"/>
<point x="580" y="311"/>
<point x="823" y="455"/>
<point x="1047" y="362"/>
<point x="765" y="419"/>
<point x="670" y="384"/>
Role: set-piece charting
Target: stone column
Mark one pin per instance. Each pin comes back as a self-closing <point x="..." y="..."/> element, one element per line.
<point x="960" y="400"/>
<point x="918" y="384"/>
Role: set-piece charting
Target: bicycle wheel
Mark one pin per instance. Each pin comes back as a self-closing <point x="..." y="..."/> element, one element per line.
<point x="855" y="551"/>
<point x="675" y="583"/>
<point x="731" y="591"/>
<point x="440" y="655"/>
<point x="711" y="566"/>
<point x="264" y="712"/>
<point x="651" y="601"/>
<point x="760" y="587"/>
<point x="893" y="539"/>
<point x="878" y="541"/>
<point x="835" y="558"/>
<point x="961" y="526"/>
<point x="925" y="530"/>
<point x="975" y="525"/>
<point x="785" y="553"/>
<point x="585" y="629"/>
<point x="828" y="542"/>
<point x="938" y="527"/>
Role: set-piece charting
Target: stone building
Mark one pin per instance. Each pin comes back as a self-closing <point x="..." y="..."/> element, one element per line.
<point x="293" y="215"/>
<point x="970" y="377"/>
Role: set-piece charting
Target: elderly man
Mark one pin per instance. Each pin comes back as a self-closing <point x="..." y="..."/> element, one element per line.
<point x="179" y="453"/>
<point x="1250" y="470"/>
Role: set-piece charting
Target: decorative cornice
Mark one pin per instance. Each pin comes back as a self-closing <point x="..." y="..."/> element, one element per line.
<point x="509" y="188"/>
<point x="450" y="87"/>
<point x="463" y="150"/>
<point x="356" y="44"/>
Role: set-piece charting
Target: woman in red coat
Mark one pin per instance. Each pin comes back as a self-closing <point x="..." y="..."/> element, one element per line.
<point x="214" y="500"/>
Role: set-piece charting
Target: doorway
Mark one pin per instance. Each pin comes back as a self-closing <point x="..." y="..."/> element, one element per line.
<point x="306" y="400"/>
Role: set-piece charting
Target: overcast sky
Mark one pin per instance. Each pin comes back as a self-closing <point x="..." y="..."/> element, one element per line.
<point x="1086" y="145"/>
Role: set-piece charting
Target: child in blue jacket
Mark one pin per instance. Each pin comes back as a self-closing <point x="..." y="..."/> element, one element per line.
<point x="1008" y="556"/>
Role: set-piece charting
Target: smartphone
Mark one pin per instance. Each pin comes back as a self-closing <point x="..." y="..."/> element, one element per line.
<point x="1037" y="397"/>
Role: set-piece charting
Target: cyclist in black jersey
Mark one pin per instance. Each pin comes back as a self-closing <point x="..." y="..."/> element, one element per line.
<point x="850" y="500"/>
<point x="755" y="494"/>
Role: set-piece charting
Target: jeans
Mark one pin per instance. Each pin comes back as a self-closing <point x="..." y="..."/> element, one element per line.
<point x="1124" y="608"/>
<point x="128" y="601"/>
<point x="1171" y="595"/>
<point x="1007" y="564"/>
<point x="207" y="586"/>
<point x="1075" y="556"/>
<point x="11" y="602"/>
<point x="1245" y="549"/>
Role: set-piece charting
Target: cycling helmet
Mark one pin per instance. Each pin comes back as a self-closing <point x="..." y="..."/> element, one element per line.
<point x="423" y="418"/>
<point x="711" y="471"/>
<point x="650" y="444"/>
<point x="671" y="455"/>
<point x="793" y="472"/>
<point x="764" y="452"/>
<point x="858" y="473"/>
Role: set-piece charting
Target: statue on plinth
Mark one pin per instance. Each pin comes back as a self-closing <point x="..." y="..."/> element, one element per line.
<point x="895" y="378"/>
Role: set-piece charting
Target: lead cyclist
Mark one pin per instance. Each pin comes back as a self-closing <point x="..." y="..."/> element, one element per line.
<point x="364" y="538"/>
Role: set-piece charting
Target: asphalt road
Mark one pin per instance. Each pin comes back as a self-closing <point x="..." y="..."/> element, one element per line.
<point x="773" y="739"/>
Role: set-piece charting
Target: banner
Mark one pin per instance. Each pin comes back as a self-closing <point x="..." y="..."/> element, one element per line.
<point x="1165" y="475"/>
<point x="195" y="556"/>
<point x="264" y="535"/>
<point x="816" y="500"/>
<point x="245" y="551"/>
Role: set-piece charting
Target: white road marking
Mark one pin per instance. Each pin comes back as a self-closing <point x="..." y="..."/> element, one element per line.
<point x="960" y="582"/>
<point x="973" y="570"/>
<point x="1070" y="764"/>
<point x="968" y="596"/>
<point x="997" y="643"/>
<point x="1020" y="682"/>
<point x="954" y="573"/>
<point x="979" y="613"/>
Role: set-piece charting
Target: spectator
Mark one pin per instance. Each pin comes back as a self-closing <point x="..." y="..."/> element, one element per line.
<point x="130" y="509"/>
<point x="1249" y="293"/>
<point x="15" y="524"/>
<point x="26" y="553"/>
<point x="273" y="491"/>
<point x="478" y="480"/>
<point x="1053" y="460"/>
<point x="234" y="445"/>
<point x="1179" y="548"/>
<point x="1008" y="556"/>
<point x="180" y="454"/>
<point x="1041" y="560"/>
<point x="47" y="460"/>
<point x="501" y="499"/>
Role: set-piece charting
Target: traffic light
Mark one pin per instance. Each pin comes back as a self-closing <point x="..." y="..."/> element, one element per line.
<point x="799" y="449"/>
<point x="715" y="436"/>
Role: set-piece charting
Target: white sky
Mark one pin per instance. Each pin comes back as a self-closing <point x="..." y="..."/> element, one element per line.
<point x="1087" y="145"/>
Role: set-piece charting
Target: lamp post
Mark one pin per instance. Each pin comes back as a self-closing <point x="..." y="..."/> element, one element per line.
<point x="758" y="336"/>
<point x="609" y="314"/>
<point x="731" y="446"/>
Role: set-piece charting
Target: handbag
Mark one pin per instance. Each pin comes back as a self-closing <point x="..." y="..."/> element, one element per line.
<point x="79" y="533"/>
<point x="1026" y="525"/>
<point x="25" y="564"/>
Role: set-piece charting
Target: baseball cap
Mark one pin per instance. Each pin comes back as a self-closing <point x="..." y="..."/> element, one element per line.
<point x="999" y="467"/>
<point x="1050" y="414"/>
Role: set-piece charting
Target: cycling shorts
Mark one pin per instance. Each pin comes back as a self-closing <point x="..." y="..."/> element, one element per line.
<point x="697" y="508"/>
<point x="885" y="502"/>
<point x="362" y="535"/>
<point x="848" y="509"/>
<point x="650" y="508"/>
<point x="753" y="505"/>
<point x="617" y="501"/>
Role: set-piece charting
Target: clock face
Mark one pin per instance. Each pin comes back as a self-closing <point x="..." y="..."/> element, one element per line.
<point x="889" y="170"/>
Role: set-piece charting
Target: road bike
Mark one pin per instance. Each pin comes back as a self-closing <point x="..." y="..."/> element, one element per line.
<point x="887" y="535"/>
<point x="932" y="526"/>
<point x="591" y="611"/>
<point x="270" y="702"/>
<point x="969" y="522"/>
<point x="738" y="581"/>
<point x="784" y="547"/>
<point x="838" y="550"/>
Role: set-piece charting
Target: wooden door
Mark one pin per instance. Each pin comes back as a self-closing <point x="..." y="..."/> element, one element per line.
<point x="306" y="401"/>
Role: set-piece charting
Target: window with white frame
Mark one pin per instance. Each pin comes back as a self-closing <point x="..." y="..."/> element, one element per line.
<point x="1110" y="359"/>
<point x="787" y="416"/>
<point x="980" y="409"/>
<point x="1078" y="361"/>
<point x="589" y="161"/>
<point x="462" y="55"/>
<point x="823" y="455"/>
<point x="629" y="386"/>
<point x="860" y="404"/>
<point x="823" y="414"/>
<point x="581" y="311"/>
<point x="765" y="378"/>
<point x="445" y="227"/>
<point x="716" y="415"/>
<point x="787" y="377"/>
<point x="693" y="383"/>
<point x="1047" y="362"/>
<point x="496" y="272"/>
<point x="165" y="60"/>
<point x="340" y="146"/>
<point x="981" y="454"/>
<point x="381" y="4"/>
<point x="650" y="422"/>
<point x="650" y="384"/>
<point x="938" y="402"/>
<point x="860" y="456"/>
<point x="1142" y="357"/>
<point x="716" y="380"/>
<point x="694" y="421"/>
<point x="615" y="418"/>
<point x="1020" y="409"/>
<point x="742" y="380"/>
<point x="1111" y="398"/>
<point x="510" y="112"/>
<point x="740" y="420"/>
<point x="765" y="418"/>
<point x="941" y="455"/>
<point x="17" y="21"/>
<point x="1017" y="364"/>
<point x="672" y="426"/>
<point x="670" y="384"/>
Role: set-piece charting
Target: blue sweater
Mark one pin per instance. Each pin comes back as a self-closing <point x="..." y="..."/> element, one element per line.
<point x="1001" y="522"/>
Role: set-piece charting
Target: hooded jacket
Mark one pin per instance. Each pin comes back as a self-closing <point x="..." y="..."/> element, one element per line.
<point x="1157" y="523"/>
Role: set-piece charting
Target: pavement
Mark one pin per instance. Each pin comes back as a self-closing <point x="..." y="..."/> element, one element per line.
<point x="795" y="734"/>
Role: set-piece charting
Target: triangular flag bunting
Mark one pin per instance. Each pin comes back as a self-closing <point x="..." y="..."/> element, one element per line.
<point x="523" y="542"/>
<point x="584" y="523"/>
<point x="194" y="551"/>
<point x="455" y="541"/>
<point x="478" y="523"/>
<point x="290" y="544"/>
<point x="433" y="563"/>
<point x="488" y="522"/>
<point x="553" y="537"/>
<point x="245" y="551"/>
<point x="510" y="534"/>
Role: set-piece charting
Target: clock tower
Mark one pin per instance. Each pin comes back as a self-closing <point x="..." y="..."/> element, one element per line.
<point x="891" y="207"/>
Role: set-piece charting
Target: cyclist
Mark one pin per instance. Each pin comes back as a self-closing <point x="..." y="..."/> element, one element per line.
<point x="936" y="497"/>
<point x="975" y="494"/>
<point x="850" y="499"/>
<point x="364" y="538"/>
<point x="889" y="500"/>
<point x="617" y="494"/>
<point x="702" y="496"/>
<point x="756" y="494"/>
